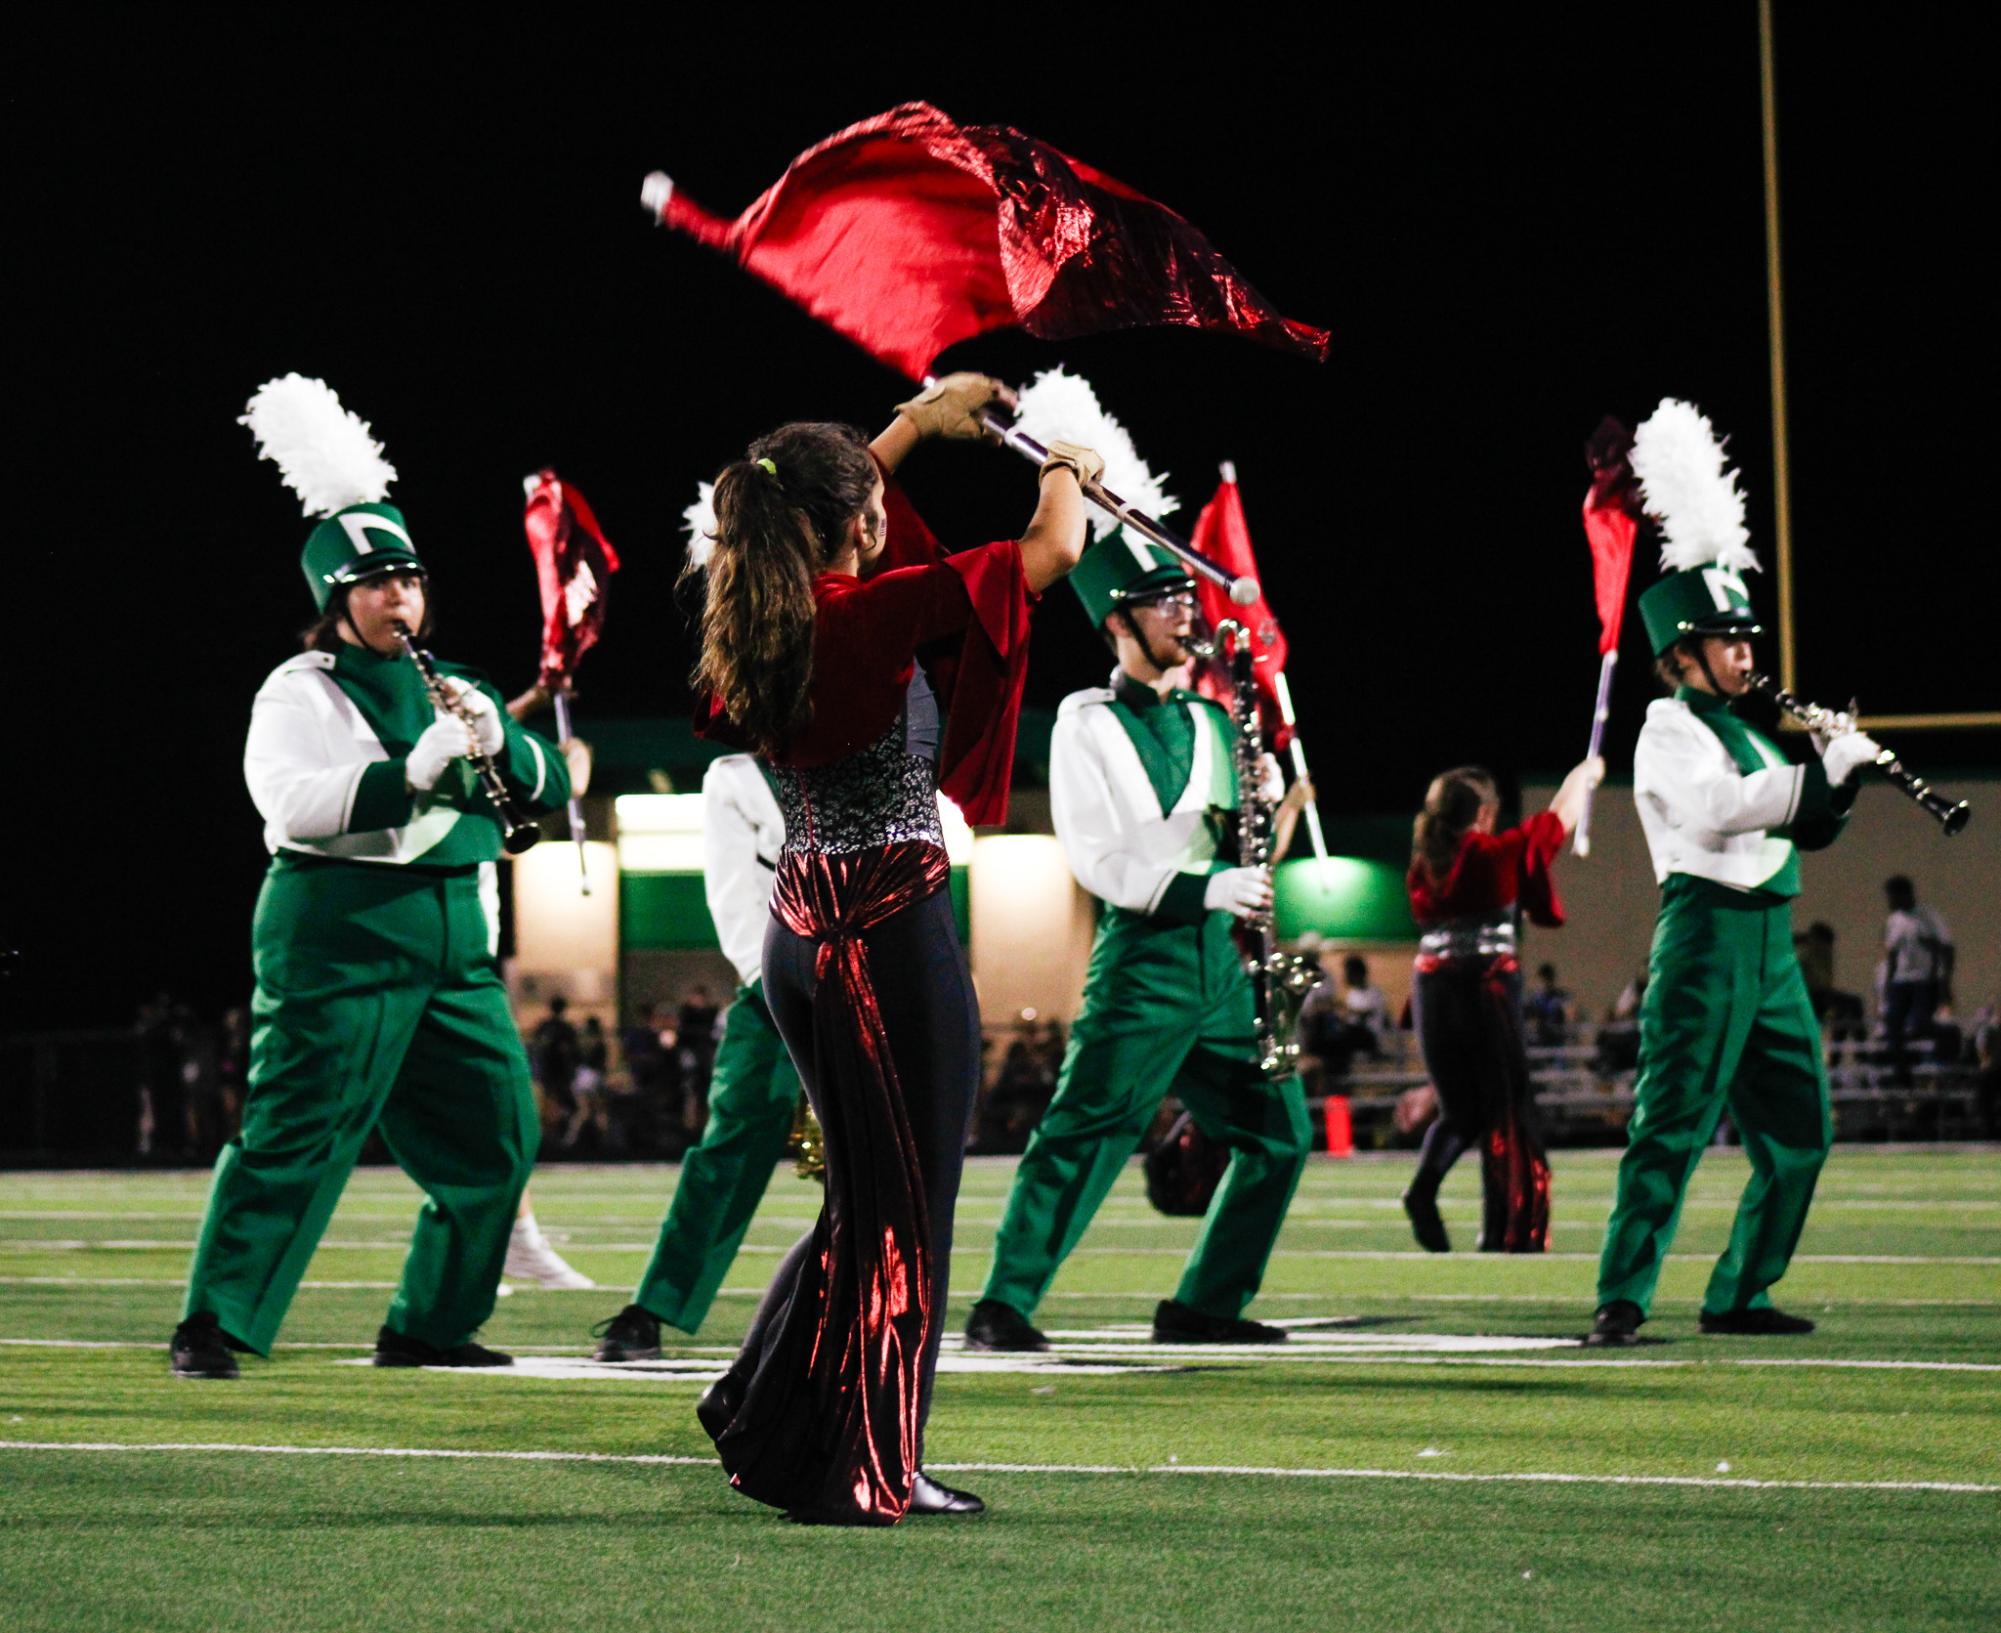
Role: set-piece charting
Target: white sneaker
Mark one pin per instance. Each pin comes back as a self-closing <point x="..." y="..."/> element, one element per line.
<point x="531" y="1258"/>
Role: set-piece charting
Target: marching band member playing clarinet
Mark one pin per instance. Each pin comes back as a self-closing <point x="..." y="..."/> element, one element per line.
<point x="871" y="671"/>
<point x="1466" y="885"/>
<point x="1726" y="1019"/>
<point x="1139" y="772"/>
<point x="379" y="1001"/>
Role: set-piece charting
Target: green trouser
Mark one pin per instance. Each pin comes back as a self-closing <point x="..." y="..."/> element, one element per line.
<point x="1726" y="1019"/>
<point x="752" y="1095"/>
<point x="1166" y="1008"/>
<point x="378" y="1005"/>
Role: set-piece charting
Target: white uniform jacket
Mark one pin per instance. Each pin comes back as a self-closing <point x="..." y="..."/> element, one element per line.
<point x="1702" y="815"/>
<point x="303" y="760"/>
<point x="1119" y="844"/>
<point x="742" y="833"/>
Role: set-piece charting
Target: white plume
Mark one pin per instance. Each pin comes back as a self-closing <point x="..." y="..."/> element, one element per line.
<point x="699" y="520"/>
<point x="1060" y="407"/>
<point x="1688" y="487"/>
<point x="324" y="453"/>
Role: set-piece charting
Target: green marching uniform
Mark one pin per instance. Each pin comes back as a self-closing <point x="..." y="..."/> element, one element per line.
<point x="754" y="1090"/>
<point x="379" y="1001"/>
<point x="1141" y="790"/>
<point x="1725" y="1020"/>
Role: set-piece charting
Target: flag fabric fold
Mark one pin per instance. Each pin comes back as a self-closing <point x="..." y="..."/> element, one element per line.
<point x="573" y="563"/>
<point x="910" y="232"/>
<point x="1611" y="524"/>
<point x="1224" y="536"/>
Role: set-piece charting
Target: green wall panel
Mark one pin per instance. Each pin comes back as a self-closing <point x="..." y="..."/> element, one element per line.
<point x="1343" y="897"/>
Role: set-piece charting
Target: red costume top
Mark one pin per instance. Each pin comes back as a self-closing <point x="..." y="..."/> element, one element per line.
<point x="868" y="633"/>
<point x="1494" y="871"/>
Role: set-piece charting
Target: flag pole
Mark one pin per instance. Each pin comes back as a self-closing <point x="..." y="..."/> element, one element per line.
<point x="1242" y="591"/>
<point x="564" y="737"/>
<point x="1581" y="840"/>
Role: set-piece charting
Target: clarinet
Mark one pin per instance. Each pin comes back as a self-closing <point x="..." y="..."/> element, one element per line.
<point x="1279" y="981"/>
<point x="517" y="831"/>
<point x="1951" y="815"/>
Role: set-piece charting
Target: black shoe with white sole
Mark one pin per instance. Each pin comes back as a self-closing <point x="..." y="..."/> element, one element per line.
<point x="200" y="1349"/>
<point x="1616" y="1326"/>
<point x="631" y="1335"/>
<point x="1768" y="1322"/>
<point x="395" y="1349"/>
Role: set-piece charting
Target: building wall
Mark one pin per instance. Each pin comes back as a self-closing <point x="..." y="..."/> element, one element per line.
<point x="1610" y="896"/>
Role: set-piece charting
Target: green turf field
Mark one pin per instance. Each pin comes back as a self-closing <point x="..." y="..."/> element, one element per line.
<point x="1415" y="1459"/>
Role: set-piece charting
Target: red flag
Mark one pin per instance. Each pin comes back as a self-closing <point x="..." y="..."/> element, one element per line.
<point x="573" y="563"/>
<point x="910" y="232"/>
<point x="1611" y="524"/>
<point x="1222" y="534"/>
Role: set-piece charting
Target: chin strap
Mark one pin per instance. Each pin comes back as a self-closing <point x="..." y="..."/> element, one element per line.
<point x="1132" y="628"/>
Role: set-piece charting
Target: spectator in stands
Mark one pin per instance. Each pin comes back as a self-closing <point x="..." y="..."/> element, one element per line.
<point x="1918" y="960"/>
<point x="650" y="1052"/>
<point x="1619" y="1037"/>
<point x="1547" y="1010"/>
<point x="588" y="1086"/>
<point x="1365" y="1008"/>
<point x="553" y="1049"/>
<point x="164" y="1112"/>
<point x="1987" y="1066"/>
<point x="698" y="1023"/>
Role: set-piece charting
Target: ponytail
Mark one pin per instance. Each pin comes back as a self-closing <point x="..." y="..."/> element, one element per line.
<point x="782" y="514"/>
<point x="1452" y="804"/>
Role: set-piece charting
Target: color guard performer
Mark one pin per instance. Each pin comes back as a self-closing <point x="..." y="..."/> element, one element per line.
<point x="379" y="1001"/>
<point x="1726" y="1019"/>
<point x="1142" y="787"/>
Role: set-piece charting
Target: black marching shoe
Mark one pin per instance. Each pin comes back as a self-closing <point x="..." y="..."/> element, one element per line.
<point x="1175" y="1323"/>
<point x="1425" y="1225"/>
<point x="631" y="1335"/>
<point x="395" y="1349"/>
<point x="993" y="1325"/>
<point x="199" y="1349"/>
<point x="927" y="1496"/>
<point x="1616" y="1325"/>
<point x="1765" y="1323"/>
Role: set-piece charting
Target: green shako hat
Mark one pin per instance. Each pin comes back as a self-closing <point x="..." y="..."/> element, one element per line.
<point x="360" y="541"/>
<point x="1122" y="568"/>
<point x="1690" y="491"/>
<point x="328" y="458"/>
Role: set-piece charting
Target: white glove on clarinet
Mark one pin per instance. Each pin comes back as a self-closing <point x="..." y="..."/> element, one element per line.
<point x="1852" y="749"/>
<point x="1243" y="892"/>
<point x="489" y="734"/>
<point x="444" y="740"/>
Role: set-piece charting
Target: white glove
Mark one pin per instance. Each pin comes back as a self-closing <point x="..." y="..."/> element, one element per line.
<point x="489" y="734"/>
<point x="1244" y="892"/>
<point x="1271" y="780"/>
<point x="1847" y="752"/>
<point x="444" y="740"/>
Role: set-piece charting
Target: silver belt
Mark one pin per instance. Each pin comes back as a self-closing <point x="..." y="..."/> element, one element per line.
<point x="1469" y="938"/>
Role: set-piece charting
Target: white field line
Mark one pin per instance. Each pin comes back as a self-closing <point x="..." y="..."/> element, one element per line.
<point x="1311" y="1212"/>
<point x="1055" y="1296"/>
<point x="1199" y="1470"/>
<point x="1064" y="1357"/>
<point x="981" y="1251"/>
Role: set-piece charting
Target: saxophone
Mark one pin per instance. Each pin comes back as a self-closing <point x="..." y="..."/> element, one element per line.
<point x="1279" y="980"/>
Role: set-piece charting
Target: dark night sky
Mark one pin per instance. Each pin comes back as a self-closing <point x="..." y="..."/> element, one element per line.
<point x="1513" y="220"/>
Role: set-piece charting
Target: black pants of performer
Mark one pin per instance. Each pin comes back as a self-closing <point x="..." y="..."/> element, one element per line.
<point x="1469" y="1026"/>
<point x="933" y="1021"/>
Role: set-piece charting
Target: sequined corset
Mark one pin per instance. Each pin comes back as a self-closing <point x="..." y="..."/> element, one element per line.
<point x="1469" y="938"/>
<point x="883" y="795"/>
